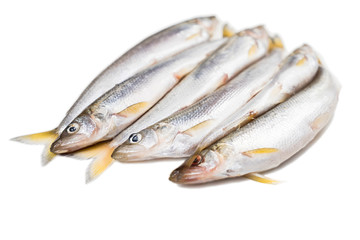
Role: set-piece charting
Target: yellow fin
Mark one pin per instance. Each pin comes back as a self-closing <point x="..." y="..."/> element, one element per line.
<point x="46" y="138"/>
<point x="301" y="61"/>
<point x="319" y="61"/>
<point x="100" y="163"/>
<point x="89" y="152"/>
<point x="228" y="31"/>
<point x="134" y="109"/>
<point x="193" y="36"/>
<point x="251" y="153"/>
<point x="252" y="50"/>
<point x="260" y="178"/>
<point x="192" y="131"/>
<point x="275" y="42"/>
<point x="37" y="138"/>
<point x="47" y="155"/>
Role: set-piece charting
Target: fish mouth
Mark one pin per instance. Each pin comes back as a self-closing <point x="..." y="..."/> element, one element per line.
<point x="60" y="147"/>
<point x="129" y="153"/>
<point x="187" y="175"/>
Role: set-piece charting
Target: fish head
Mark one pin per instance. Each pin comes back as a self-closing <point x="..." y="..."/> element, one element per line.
<point x="201" y="167"/>
<point x="80" y="133"/>
<point x="147" y="144"/>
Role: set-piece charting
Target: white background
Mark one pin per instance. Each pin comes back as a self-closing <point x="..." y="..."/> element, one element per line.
<point x="50" y="52"/>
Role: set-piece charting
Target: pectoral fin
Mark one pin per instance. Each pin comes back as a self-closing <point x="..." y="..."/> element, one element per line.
<point x="182" y="72"/>
<point x="198" y="127"/>
<point x="320" y="121"/>
<point x="252" y="153"/>
<point x="252" y="50"/>
<point x="193" y="36"/>
<point x="301" y="61"/>
<point x="135" y="109"/>
<point x="260" y="178"/>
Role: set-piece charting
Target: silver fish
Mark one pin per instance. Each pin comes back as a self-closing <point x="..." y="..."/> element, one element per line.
<point x="296" y="71"/>
<point x="163" y="44"/>
<point x="127" y="101"/>
<point x="267" y="141"/>
<point x="179" y="135"/>
<point x="241" y="50"/>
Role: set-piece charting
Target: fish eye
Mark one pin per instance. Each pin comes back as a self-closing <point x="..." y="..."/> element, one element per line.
<point x="73" y="128"/>
<point x="135" y="137"/>
<point x="198" y="160"/>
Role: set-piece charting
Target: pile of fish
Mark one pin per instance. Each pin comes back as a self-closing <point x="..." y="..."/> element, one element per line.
<point x="233" y="104"/>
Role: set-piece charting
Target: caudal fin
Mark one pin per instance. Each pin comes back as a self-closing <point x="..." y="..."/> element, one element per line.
<point x="43" y="138"/>
<point x="101" y="162"/>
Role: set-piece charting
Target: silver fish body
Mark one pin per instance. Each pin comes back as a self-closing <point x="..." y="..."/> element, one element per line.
<point x="267" y="141"/>
<point x="179" y="134"/>
<point x="296" y="71"/>
<point x="127" y="101"/>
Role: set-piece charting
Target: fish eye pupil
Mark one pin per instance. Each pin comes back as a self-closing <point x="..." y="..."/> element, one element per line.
<point x="134" y="138"/>
<point x="72" y="129"/>
<point x="199" y="159"/>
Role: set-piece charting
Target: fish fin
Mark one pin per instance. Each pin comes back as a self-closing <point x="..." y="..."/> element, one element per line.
<point x="278" y="94"/>
<point x="275" y="42"/>
<point x="225" y="79"/>
<point x="319" y="62"/>
<point x="193" y="36"/>
<point x="192" y="131"/>
<point x="228" y="31"/>
<point x="253" y="152"/>
<point x="252" y="50"/>
<point x="47" y="155"/>
<point x="100" y="163"/>
<point x="260" y="178"/>
<point x="320" y="121"/>
<point x="46" y="138"/>
<point x="246" y="119"/>
<point x="182" y="72"/>
<point x="89" y="152"/>
<point x="38" y="138"/>
<point x="134" y="109"/>
<point x="301" y="61"/>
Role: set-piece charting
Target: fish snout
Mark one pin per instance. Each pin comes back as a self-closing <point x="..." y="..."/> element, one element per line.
<point x="174" y="176"/>
<point x="128" y="153"/>
<point x="58" y="148"/>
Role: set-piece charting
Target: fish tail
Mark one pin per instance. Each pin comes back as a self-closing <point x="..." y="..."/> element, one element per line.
<point x="44" y="138"/>
<point x="275" y="42"/>
<point x="228" y="31"/>
<point x="101" y="162"/>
